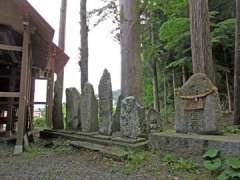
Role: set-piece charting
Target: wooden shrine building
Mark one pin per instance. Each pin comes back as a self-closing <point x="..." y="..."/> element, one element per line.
<point x="26" y="53"/>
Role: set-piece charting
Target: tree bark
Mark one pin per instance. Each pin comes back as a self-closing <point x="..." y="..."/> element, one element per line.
<point x="132" y="80"/>
<point x="237" y="67"/>
<point x="200" y="31"/>
<point x="84" y="43"/>
<point x="174" y="86"/>
<point x="58" y="88"/>
<point x="184" y="78"/>
<point x="228" y="93"/>
<point x="156" y="104"/>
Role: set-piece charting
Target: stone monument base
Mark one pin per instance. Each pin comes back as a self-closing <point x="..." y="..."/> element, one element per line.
<point x="193" y="146"/>
<point x="95" y="137"/>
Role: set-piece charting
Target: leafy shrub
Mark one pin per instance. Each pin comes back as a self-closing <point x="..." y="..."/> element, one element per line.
<point x="39" y="122"/>
<point x="227" y="169"/>
<point x="234" y="129"/>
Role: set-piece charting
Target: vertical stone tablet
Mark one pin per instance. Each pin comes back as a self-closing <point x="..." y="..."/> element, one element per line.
<point x="198" y="107"/>
<point x="73" y="108"/>
<point x="132" y="120"/>
<point x="153" y="121"/>
<point x="105" y="104"/>
<point x="116" y="115"/>
<point x="89" y="109"/>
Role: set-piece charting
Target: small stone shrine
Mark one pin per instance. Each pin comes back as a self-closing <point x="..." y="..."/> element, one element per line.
<point x="132" y="119"/>
<point x="89" y="109"/>
<point x="105" y="104"/>
<point x="73" y="108"/>
<point x="198" y="107"/>
<point x="153" y="121"/>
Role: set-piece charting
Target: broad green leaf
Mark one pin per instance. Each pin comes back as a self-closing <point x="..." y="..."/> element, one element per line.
<point x="211" y="153"/>
<point x="212" y="165"/>
<point x="233" y="163"/>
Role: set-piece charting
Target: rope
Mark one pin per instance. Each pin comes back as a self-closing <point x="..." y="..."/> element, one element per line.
<point x="198" y="96"/>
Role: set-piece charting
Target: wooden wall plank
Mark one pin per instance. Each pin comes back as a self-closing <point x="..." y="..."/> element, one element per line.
<point x="10" y="48"/>
<point x="10" y="94"/>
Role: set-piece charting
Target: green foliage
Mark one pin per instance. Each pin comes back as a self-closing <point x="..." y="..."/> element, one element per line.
<point x="179" y="164"/>
<point x="211" y="154"/>
<point x="224" y="33"/>
<point x="168" y="158"/>
<point x="135" y="160"/>
<point x="174" y="32"/>
<point x="234" y="163"/>
<point x="187" y="165"/>
<point x="211" y="160"/>
<point x="213" y="164"/>
<point x="39" y="122"/>
<point x="233" y="129"/>
<point x="224" y="169"/>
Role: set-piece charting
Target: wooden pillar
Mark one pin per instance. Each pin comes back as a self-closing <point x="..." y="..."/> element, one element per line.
<point x="49" y="109"/>
<point x="24" y="82"/>
<point x="10" y="115"/>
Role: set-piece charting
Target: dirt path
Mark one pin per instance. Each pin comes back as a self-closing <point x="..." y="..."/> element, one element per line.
<point x="61" y="162"/>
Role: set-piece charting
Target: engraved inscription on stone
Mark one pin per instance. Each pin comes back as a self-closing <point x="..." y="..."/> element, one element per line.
<point x="193" y="104"/>
<point x="132" y="119"/>
<point x="201" y="115"/>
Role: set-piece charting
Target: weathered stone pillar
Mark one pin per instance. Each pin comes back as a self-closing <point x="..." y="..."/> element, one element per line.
<point x="73" y="108"/>
<point x="105" y="104"/>
<point x="132" y="121"/>
<point x="89" y="109"/>
<point x="116" y="115"/>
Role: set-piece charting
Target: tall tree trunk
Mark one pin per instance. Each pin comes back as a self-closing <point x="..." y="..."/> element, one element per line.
<point x="228" y="93"/>
<point x="84" y="43"/>
<point x="130" y="50"/>
<point x="184" y="78"/>
<point x="237" y="67"/>
<point x="174" y="85"/>
<point x="200" y="30"/>
<point x="156" y="100"/>
<point x="58" y="89"/>
<point x="155" y="87"/>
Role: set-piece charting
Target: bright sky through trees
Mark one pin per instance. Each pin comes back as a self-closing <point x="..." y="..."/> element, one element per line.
<point x="104" y="52"/>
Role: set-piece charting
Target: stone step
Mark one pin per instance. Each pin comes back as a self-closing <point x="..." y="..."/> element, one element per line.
<point x="98" y="139"/>
<point x="114" y="152"/>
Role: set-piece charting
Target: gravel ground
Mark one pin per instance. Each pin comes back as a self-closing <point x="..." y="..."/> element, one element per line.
<point x="61" y="162"/>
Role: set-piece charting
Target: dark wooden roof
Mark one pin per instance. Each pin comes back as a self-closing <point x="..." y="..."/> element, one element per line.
<point x="42" y="36"/>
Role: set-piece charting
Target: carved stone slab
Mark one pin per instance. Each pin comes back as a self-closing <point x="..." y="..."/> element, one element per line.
<point x="198" y="107"/>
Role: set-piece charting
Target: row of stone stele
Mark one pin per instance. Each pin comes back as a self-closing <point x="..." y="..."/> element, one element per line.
<point x="198" y="107"/>
<point x="88" y="114"/>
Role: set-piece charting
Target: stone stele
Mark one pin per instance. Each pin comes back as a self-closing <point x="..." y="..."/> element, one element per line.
<point x="105" y="104"/>
<point x="89" y="109"/>
<point x="73" y="108"/>
<point x="132" y="119"/>
<point x="116" y="115"/>
<point x="198" y="107"/>
<point x="153" y="121"/>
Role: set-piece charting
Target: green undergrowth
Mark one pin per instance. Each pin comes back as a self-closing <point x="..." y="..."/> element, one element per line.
<point x="161" y="164"/>
<point x="222" y="168"/>
<point x="233" y="129"/>
<point x="57" y="147"/>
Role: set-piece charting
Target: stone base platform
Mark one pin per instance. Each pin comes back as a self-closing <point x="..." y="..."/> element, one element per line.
<point x="193" y="146"/>
<point x="96" y="138"/>
<point x="113" y="152"/>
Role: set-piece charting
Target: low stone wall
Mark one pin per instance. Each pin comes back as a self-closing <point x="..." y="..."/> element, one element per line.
<point x="193" y="146"/>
